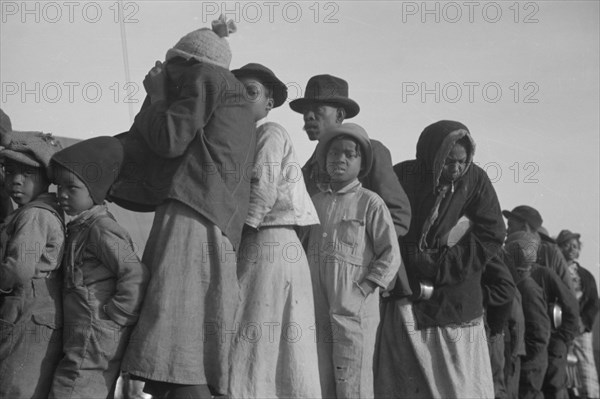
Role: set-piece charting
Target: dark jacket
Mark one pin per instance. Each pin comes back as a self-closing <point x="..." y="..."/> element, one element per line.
<point x="380" y="179"/>
<point x="549" y="255"/>
<point x="196" y="147"/>
<point x="555" y="291"/>
<point x="537" y="321"/>
<point x="455" y="272"/>
<point x="588" y="303"/>
<point x="499" y="290"/>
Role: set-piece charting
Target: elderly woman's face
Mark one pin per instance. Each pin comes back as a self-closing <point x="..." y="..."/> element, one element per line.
<point x="570" y="249"/>
<point x="456" y="162"/>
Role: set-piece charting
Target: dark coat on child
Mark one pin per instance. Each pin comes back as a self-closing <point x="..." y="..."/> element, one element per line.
<point x="104" y="285"/>
<point x="32" y="241"/>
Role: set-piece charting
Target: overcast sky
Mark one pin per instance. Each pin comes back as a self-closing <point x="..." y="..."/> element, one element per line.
<point x="523" y="76"/>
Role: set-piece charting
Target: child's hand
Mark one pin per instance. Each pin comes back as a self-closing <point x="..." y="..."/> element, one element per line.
<point x="155" y="83"/>
<point x="368" y="287"/>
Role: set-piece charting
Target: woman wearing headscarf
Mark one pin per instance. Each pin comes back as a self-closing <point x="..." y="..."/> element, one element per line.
<point x="432" y="343"/>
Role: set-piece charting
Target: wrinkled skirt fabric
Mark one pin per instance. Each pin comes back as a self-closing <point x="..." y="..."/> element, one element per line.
<point x="439" y="362"/>
<point x="186" y="324"/>
<point x="274" y="354"/>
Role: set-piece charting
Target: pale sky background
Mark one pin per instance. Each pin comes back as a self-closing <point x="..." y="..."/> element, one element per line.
<point x="523" y="76"/>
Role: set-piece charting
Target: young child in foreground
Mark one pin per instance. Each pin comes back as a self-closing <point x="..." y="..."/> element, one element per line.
<point x="352" y="253"/>
<point x="31" y="247"/>
<point x="104" y="280"/>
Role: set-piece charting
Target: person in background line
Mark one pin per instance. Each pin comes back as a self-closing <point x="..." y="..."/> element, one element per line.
<point x="514" y="346"/>
<point x="6" y="206"/>
<point x="520" y="253"/>
<point x="499" y="291"/>
<point x="275" y="285"/>
<point x="527" y="219"/>
<point x="326" y="105"/>
<point x="31" y="248"/>
<point x="416" y="356"/>
<point x="586" y="292"/>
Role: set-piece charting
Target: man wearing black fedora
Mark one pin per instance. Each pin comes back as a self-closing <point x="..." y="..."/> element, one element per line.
<point x="326" y="104"/>
<point x="528" y="219"/>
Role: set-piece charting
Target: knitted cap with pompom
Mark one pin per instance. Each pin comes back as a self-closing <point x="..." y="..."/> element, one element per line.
<point x="206" y="45"/>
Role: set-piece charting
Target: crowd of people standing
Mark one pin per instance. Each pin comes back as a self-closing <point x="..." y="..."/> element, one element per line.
<point x="349" y="278"/>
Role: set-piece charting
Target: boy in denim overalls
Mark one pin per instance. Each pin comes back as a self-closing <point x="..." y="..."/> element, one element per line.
<point x="352" y="253"/>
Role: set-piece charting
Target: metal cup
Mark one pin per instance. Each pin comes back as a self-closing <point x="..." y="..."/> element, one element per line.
<point x="426" y="290"/>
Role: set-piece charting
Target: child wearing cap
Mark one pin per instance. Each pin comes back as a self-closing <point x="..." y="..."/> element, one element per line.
<point x="272" y="355"/>
<point x="31" y="247"/>
<point x="352" y="254"/>
<point x="104" y="281"/>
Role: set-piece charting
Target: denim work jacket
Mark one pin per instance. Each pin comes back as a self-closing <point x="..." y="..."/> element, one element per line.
<point x="356" y="227"/>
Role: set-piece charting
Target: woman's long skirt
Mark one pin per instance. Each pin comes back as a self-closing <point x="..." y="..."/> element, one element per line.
<point x="439" y="362"/>
<point x="186" y="324"/>
<point x="274" y="354"/>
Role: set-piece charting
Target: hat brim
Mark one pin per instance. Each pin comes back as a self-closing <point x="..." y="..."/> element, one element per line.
<point x="280" y="91"/>
<point x="20" y="157"/>
<point x="546" y="237"/>
<point x="300" y="105"/>
<point x="365" y="144"/>
<point x="567" y="237"/>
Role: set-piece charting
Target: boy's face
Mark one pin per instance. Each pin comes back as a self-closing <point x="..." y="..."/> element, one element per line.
<point x="258" y="96"/>
<point x="24" y="183"/>
<point x="343" y="160"/>
<point x="73" y="194"/>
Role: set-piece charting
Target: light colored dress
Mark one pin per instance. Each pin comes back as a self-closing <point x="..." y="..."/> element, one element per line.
<point x="274" y="354"/>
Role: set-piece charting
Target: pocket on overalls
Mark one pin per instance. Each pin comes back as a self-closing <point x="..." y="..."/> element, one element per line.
<point x="11" y="309"/>
<point x="352" y="303"/>
<point x="351" y="231"/>
<point x="48" y="320"/>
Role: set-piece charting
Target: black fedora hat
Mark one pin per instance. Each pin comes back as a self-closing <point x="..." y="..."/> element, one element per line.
<point x="267" y="78"/>
<point x="525" y="214"/>
<point x="326" y="89"/>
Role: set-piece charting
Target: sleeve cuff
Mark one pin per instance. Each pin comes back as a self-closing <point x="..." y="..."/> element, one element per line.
<point x="119" y="316"/>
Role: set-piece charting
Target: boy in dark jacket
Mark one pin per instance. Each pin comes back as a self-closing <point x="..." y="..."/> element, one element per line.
<point x="104" y="281"/>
